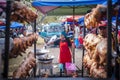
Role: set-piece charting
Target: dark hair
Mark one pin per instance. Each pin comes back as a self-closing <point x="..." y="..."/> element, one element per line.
<point x="68" y="41"/>
<point x="101" y="27"/>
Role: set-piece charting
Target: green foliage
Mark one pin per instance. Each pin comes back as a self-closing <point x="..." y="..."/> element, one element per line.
<point x="49" y="19"/>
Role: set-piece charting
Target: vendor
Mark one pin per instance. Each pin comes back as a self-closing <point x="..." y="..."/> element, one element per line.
<point x="65" y="53"/>
<point x="76" y="35"/>
<point x="102" y="29"/>
<point x="103" y="33"/>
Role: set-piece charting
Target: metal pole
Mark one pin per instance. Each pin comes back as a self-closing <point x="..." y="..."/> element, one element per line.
<point x="35" y="48"/>
<point x="109" y="39"/>
<point x="116" y="48"/>
<point x="116" y="68"/>
<point x="119" y="49"/>
<point x="83" y="52"/>
<point x="7" y="31"/>
<point x="116" y="41"/>
<point x="73" y="50"/>
<point x="96" y="31"/>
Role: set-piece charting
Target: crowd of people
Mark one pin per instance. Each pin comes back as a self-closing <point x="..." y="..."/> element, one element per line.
<point x="16" y="32"/>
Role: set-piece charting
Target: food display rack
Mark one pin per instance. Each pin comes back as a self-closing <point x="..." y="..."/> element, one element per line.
<point x="7" y="31"/>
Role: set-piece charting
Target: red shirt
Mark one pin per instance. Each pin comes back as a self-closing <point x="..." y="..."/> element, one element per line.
<point x="65" y="55"/>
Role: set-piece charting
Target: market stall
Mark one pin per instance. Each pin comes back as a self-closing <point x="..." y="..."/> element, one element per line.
<point x="47" y="7"/>
<point x="16" y="11"/>
<point x="92" y="52"/>
<point x="92" y="21"/>
<point x="31" y="58"/>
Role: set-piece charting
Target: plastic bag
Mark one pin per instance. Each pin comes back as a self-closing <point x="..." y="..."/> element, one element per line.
<point x="77" y="44"/>
<point x="70" y="66"/>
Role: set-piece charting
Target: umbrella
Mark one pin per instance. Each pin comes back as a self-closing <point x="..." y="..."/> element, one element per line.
<point x="2" y="27"/>
<point x="13" y="25"/>
<point x="16" y="25"/>
<point x="70" y="20"/>
<point x="81" y="21"/>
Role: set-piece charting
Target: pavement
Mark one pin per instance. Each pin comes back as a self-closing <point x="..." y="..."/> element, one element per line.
<point x="53" y="51"/>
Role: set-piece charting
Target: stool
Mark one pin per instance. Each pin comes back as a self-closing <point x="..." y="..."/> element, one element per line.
<point x="45" y="66"/>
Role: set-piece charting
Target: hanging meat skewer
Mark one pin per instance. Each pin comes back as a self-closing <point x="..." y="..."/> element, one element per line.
<point x="95" y="58"/>
<point x="21" y="44"/>
<point x="24" y="68"/>
<point x="21" y="13"/>
<point x="93" y="18"/>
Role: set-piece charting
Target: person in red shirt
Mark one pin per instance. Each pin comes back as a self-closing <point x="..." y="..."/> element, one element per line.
<point x="65" y="53"/>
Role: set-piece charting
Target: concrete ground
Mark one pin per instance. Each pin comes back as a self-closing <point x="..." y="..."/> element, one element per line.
<point x="54" y="51"/>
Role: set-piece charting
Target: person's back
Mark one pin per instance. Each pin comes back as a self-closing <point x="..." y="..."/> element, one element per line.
<point x="71" y="32"/>
<point x="77" y="32"/>
<point x="76" y="36"/>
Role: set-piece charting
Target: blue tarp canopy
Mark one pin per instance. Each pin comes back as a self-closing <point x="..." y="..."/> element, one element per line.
<point x="13" y="25"/>
<point x="113" y="2"/>
<point x="65" y="2"/>
<point x="65" y="7"/>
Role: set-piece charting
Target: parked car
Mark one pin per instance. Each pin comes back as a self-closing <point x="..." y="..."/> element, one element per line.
<point x="50" y="30"/>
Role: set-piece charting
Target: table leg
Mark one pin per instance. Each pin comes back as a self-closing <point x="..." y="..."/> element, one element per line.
<point x="51" y="71"/>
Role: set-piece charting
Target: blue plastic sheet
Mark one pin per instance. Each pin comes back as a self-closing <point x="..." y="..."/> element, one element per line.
<point x="65" y="2"/>
<point x="13" y="25"/>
